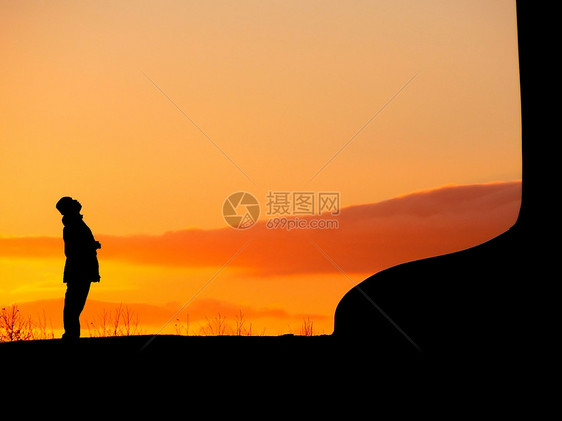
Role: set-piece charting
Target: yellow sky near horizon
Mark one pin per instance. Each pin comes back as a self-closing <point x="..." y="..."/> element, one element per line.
<point x="278" y="86"/>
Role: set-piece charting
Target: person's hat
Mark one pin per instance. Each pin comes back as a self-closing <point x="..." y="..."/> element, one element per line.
<point x="64" y="204"/>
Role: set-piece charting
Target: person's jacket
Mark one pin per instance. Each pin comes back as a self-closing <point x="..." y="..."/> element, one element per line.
<point x="80" y="249"/>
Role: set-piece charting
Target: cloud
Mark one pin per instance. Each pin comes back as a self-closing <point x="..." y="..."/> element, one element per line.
<point x="42" y="247"/>
<point x="369" y="237"/>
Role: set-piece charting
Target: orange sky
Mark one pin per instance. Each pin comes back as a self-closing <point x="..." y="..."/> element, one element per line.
<point x="277" y="277"/>
<point x="152" y="114"/>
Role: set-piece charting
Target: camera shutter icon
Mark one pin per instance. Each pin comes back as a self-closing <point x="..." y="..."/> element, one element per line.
<point x="241" y="210"/>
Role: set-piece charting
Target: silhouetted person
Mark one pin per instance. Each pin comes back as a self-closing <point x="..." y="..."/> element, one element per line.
<point x="81" y="267"/>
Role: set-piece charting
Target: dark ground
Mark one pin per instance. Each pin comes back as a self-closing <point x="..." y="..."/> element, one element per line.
<point x="285" y="355"/>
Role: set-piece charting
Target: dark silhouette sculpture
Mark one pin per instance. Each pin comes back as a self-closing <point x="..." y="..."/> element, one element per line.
<point x="81" y="267"/>
<point x="466" y="308"/>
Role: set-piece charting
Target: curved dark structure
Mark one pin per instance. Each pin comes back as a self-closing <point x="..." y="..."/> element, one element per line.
<point x="462" y="305"/>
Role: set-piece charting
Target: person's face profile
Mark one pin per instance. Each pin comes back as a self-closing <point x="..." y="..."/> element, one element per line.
<point x="77" y="207"/>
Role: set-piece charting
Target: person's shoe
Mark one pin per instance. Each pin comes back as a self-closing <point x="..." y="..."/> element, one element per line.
<point x="69" y="338"/>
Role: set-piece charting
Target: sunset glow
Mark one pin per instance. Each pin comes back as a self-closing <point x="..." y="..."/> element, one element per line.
<point x="152" y="115"/>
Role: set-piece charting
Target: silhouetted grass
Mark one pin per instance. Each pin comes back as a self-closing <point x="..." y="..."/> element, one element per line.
<point x="14" y="326"/>
<point x="122" y="321"/>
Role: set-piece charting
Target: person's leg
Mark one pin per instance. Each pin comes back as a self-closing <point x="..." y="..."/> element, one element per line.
<point x="74" y="301"/>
